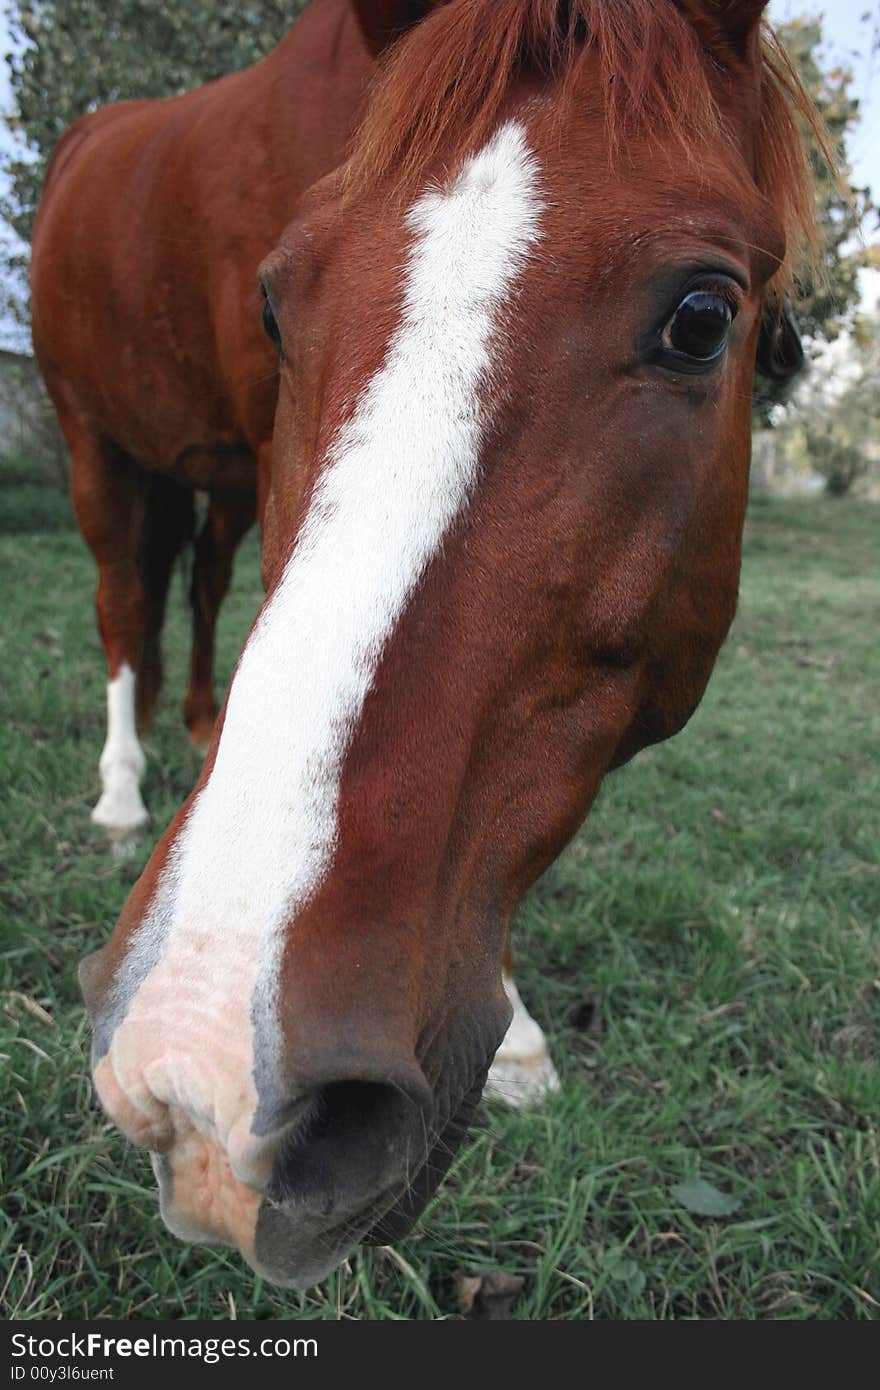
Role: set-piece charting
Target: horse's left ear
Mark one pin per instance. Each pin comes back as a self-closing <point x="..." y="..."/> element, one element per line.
<point x="780" y="353"/>
<point x="739" y="20"/>
<point x="382" y="21"/>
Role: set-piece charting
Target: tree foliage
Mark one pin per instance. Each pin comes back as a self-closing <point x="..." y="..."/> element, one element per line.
<point x="845" y="209"/>
<point x="826" y="300"/>
<point x="843" y="442"/>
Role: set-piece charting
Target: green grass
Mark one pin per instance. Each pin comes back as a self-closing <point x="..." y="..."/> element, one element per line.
<point x="723" y="900"/>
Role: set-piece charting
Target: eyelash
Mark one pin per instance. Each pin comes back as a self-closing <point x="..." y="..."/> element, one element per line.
<point x="655" y="351"/>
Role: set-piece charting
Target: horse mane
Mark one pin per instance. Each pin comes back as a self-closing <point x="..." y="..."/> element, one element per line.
<point x="442" y="85"/>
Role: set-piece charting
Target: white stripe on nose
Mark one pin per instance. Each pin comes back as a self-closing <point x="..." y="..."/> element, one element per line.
<point x="262" y="833"/>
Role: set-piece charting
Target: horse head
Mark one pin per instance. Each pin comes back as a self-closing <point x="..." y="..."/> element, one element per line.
<point x="517" y="333"/>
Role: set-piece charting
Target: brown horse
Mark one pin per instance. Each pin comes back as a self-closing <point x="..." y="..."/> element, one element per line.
<point x="153" y="220"/>
<point x="502" y="549"/>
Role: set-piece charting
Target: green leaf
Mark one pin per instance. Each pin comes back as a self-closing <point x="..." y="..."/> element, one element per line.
<point x="703" y="1199"/>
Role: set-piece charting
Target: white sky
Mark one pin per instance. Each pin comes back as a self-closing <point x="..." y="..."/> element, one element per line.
<point x="849" y="28"/>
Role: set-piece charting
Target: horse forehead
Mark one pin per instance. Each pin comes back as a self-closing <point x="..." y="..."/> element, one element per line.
<point x="261" y="833"/>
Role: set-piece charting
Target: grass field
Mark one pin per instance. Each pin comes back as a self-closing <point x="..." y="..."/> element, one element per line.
<point x="705" y="957"/>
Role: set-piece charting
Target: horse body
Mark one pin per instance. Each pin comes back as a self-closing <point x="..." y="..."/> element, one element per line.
<point x="153" y="220"/>
<point x="501" y="549"/>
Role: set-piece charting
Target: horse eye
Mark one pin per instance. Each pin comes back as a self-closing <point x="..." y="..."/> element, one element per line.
<point x="700" y="326"/>
<point x="270" y="325"/>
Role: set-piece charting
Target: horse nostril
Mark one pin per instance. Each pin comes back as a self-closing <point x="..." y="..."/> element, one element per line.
<point x="358" y="1139"/>
<point x="348" y="1107"/>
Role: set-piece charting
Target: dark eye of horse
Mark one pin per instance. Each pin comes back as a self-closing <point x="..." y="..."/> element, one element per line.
<point x="270" y="324"/>
<point x="700" y="326"/>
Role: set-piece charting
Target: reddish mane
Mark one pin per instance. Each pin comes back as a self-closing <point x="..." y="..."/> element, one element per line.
<point x="442" y="87"/>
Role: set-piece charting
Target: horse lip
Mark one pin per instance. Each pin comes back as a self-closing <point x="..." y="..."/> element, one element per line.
<point x="398" y="1219"/>
<point x="295" y="1253"/>
<point x="293" y="1247"/>
<point x="385" y="1220"/>
<point x="318" y="1252"/>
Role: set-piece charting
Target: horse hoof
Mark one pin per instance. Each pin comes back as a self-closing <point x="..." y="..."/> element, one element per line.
<point x="123" y="818"/>
<point x="201" y="731"/>
<point x="522" y="1081"/>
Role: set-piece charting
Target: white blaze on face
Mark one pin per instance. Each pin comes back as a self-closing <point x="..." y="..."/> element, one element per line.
<point x="121" y="810"/>
<point x="200" y="981"/>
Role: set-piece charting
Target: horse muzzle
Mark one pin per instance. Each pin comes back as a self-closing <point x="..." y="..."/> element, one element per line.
<point x="355" y="1161"/>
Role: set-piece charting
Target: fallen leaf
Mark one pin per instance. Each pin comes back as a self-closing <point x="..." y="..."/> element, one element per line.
<point x="817" y="663"/>
<point x="488" y="1296"/>
<point x="701" y="1198"/>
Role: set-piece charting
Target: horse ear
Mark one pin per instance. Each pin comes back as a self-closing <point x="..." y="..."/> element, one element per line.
<point x="738" y="20"/>
<point x="382" y="21"/>
<point x="780" y="353"/>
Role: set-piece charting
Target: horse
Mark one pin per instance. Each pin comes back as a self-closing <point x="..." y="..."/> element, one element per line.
<point x="502" y="544"/>
<point x="150" y="228"/>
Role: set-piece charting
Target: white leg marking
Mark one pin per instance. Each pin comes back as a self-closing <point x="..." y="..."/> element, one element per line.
<point x="262" y="833"/>
<point x="120" y="809"/>
<point x="523" y="1070"/>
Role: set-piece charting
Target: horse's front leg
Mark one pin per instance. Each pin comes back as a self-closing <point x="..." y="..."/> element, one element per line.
<point x="107" y="498"/>
<point x="522" y="1072"/>
<point x="230" y="516"/>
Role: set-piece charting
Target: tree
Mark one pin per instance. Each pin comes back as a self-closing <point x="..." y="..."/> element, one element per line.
<point x="828" y="300"/>
<point x="843" y="440"/>
<point x="844" y="208"/>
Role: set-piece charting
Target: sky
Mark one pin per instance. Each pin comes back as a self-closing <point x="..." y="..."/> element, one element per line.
<point x="849" y="27"/>
<point x="848" y="38"/>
